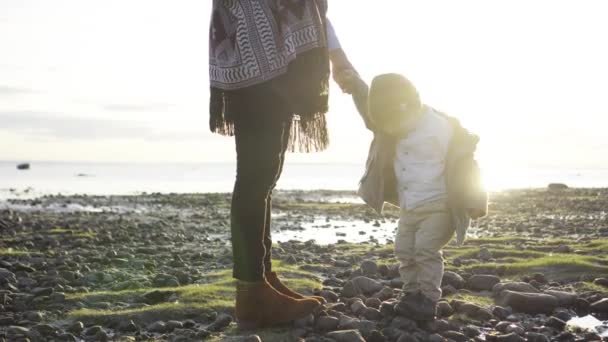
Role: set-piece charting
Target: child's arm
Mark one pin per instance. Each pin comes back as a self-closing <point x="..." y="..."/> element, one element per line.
<point x="477" y="197"/>
<point x="360" y="94"/>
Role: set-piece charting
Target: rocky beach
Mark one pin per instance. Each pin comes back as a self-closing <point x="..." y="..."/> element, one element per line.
<point x="157" y="267"/>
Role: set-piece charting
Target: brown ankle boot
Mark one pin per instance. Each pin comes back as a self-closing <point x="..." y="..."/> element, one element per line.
<point x="259" y="305"/>
<point x="275" y="282"/>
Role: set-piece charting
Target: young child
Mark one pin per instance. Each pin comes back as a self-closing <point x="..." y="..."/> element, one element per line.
<point x="422" y="161"/>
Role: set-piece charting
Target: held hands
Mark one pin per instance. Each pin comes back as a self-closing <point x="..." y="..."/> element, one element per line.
<point x="344" y="74"/>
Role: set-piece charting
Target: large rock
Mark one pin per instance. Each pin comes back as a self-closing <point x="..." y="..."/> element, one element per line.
<point x="557" y="186"/>
<point x="512" y="337"/>
<point x="532" y="303"/>
<point x="601" y="306"/>
<point x="369" y="267"/>
<point x="346" y="336"/>
<point x="220" y="323"/>
<point x="7" y="276"/>
<point x="452" y="278"/>
<point x="360" y="285"/>
<point x="327" y="323"/>
<point x="482" y="282"/>
<point x="601" y="282"/>
<point x="515" y="287"/>
<point x="563" y="298"/>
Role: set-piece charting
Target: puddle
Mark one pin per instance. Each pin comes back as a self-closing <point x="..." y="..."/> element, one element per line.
<point x="589" y="323"/>
<point x="326" y="232"/>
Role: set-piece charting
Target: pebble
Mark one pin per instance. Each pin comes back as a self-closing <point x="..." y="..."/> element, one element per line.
<point x="531" y="303"/>
<point x="346" y="336"/>
<point x="369" y="267"/>
<point x="601" y="306"/>
<point x="453" y="279"/>
<point x="482" y="282"/>
<point x="327" y="323"/>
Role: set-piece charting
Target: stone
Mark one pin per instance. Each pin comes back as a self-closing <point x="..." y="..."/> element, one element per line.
<point x="601" y="306"/>
<point x="563" y="298"/>
<point x="34" y="316"/>
<point x="531" y="303"/>
<point x="452" y="278"/>
<point x="46" y="330"/>
<point x="562" y="249"/>
<point x="454" y="336"/>
<point x="444" y="309"/>
<point x="369" y="267"/>
<point x="66" y="337"/>
<point x="373" y="303"/>
<point x="406" y="337"/>
<point x="403" y="323"/>
<point x="512" y="337"/>
<point x="346" y="336"/>
<point x="484" y="254"/>
<point x="387" y="308"/>
<point x="327" y="323"/>
<point x="436" y="338"/>
<point x="156" y="297"/>
<point x="221" y="322"/>
<point x="305" y="322"/>
<point x="342" y="263"/>
<point x="555" y="323"/>
<point x="94" y="330"/>
<point x="536" y="337"/>
<point x="246" y="338"/>
<point x="375" y="336"/>
<point x="372" y="314"/>
<point x="7" y="276"/>
<point x="515" y="328"/>
<point x="384" y="294"/>
<point x="357" y="307"/>
<point x="601" y="282"/>
<point x="438" y="326"/>
<point x="364" y="326"/>
<point x="127" y="326"/>
<point x="76" y="327"/>
<point x="500" y="312"/>
<point x="482" y="282"/>
<point x="347" y="322"/>
<point x="330" y="296"/>
<point x="448" y="290"/>
<point x="514" y="286"/>
<point x="42" y="291"/>
<point x="23" y="267"/>
<point x="17" y="331"/>
<point x="172" y="325"/>
<point x="157" y="327"/>
<point x="360" y="285"/>
<point x="557" y="187"/>
<point x="471" y="331"/>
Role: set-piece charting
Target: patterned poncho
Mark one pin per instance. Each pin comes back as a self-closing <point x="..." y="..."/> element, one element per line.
<point x="276" y="47"/>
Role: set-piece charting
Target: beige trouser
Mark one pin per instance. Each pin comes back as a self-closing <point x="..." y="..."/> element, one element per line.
<point x="422" y="233"/>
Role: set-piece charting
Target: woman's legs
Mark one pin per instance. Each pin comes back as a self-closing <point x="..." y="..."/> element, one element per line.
<point x="260" y="147"/>
<point x="268" y="220"/>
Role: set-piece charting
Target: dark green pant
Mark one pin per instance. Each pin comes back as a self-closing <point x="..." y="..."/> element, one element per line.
<point x="261" y="141"/>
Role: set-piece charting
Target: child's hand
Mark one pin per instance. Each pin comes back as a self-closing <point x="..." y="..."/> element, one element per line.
<point x="476" y="213"/>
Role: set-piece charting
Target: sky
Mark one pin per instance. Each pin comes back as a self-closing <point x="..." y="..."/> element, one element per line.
<point x="126" y="80"/>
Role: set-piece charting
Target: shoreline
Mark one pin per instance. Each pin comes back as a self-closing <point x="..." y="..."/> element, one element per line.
<point x="157" y="266"/>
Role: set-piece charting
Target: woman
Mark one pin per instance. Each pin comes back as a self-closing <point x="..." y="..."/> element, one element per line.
<point x="269" y="73"/>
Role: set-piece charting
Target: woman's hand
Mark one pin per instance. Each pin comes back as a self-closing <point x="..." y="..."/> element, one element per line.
<point x="343" y="71"/>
